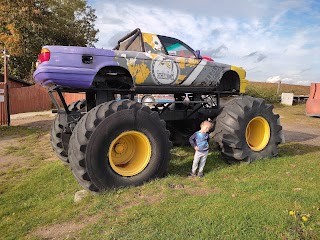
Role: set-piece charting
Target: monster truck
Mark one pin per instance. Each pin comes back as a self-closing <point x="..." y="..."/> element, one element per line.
<point x="111" y="139"/>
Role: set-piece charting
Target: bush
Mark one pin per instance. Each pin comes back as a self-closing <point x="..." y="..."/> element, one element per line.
<point x="269" y="94"/>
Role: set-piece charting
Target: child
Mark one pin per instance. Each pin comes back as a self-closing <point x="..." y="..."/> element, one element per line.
<point x="200" y="142"/>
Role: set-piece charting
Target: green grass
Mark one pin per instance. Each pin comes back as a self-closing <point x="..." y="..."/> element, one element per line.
<point x="15" y="131"/>
<point x="246" y="201"/>
<point x="296" y="115"/>
<point x="231" y="202"/>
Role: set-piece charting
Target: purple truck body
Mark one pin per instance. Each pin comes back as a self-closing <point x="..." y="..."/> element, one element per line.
<point x="67" y="69"/>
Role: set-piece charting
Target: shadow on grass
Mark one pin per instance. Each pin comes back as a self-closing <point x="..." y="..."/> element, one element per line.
<point x="294" y="149"/>
<point x="182" y="157"/>
<point x="24" y="129"/>
<point x="11" y="132"/>
<point x="44" y="125"/>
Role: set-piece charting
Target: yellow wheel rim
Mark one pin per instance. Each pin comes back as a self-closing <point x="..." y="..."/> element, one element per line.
<point x="258" y="133"/>
<point x="129" y="153"/>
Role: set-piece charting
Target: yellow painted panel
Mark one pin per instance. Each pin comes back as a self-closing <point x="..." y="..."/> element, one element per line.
<point x="181" y="62"/>
<point x="148" y="38"/>
<point x="180" y="79"/>
<point x="243" y="85"/>
<point x="191" y="62"/>
<point x="139" y="72"/>
<point x="153" y="41"/>
<point x="242" y="75"/>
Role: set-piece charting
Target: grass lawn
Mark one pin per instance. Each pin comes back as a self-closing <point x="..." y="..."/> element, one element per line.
<point x="275" y="198"/>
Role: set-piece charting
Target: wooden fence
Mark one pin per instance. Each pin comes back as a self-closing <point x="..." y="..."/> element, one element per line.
<point x="72" y="97"/>
<point x="29" y="99"/>
<point x="32" y="99"/>
<point x="36" y="98"/>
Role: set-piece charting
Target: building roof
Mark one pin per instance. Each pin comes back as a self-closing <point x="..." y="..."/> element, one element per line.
<point x="14" y="79"/>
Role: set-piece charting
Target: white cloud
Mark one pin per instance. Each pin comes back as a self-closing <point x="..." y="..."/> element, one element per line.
<point x="274" y="79"/>
<point x="267" y="38"/>
<point x="279" y="79"/>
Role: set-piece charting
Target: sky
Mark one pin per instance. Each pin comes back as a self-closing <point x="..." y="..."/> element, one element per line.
<point x="273" y="40"/>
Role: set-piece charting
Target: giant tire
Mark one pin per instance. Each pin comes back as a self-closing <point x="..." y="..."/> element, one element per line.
<point x="247" y="130"/>
<point x="119" y="143"/>
<point x="58" y="138"/>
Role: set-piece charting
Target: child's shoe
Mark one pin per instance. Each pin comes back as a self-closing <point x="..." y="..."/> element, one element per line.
<point x="200" y="174"/>
<point x="192" y="174"/>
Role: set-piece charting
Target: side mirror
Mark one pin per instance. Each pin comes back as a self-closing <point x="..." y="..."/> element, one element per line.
<point x="198" y="55"/>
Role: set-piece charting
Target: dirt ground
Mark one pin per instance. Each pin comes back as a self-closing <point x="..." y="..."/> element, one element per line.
<point x="30" y="120"/>
<point x="42" y="120"/>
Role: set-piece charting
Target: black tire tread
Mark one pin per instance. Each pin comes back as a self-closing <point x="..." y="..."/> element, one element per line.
<point x="56" y="132"/>
<point x="87" y="126"/>
<point x="229" y="131"/>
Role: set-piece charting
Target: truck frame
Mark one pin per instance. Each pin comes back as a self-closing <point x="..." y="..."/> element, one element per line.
<point x="112" y="139"/>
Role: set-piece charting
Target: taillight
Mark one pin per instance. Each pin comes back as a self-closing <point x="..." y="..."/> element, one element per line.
<point x="44" y="55"/>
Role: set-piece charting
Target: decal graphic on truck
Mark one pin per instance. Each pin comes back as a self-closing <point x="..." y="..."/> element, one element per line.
<point x="164" y="71"/>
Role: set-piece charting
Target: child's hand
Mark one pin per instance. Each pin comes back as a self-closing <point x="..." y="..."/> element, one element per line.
<point x="196" y="148"/>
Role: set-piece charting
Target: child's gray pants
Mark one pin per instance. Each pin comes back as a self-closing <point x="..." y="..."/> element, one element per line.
<point x="199" y="157"/>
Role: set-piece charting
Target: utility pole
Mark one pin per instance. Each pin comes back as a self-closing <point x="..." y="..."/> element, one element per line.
<point x="279" y="86"/>
<point x="6" y="88"/>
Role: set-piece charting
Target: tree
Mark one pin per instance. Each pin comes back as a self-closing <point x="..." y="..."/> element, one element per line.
<point x="27" y="25"/>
